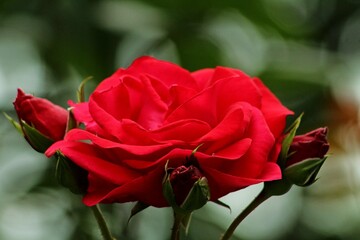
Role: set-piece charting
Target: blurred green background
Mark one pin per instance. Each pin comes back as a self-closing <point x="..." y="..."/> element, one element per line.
<point x="306" y="51"/>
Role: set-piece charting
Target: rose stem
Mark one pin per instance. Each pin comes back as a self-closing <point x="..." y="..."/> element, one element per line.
<point x="251" y="207"/>
<point x="175" y="231"/>
<point x="105" y="232"/>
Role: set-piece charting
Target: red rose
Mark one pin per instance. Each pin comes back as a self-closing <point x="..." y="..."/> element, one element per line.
<point x="49" y="119"/>
<point x="155" y="112"/>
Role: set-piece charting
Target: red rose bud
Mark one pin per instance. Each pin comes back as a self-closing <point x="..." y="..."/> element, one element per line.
<point x="313" y="144"/>
<point x="306" y="156"/>
<point x="42" y="122"/>
<point x="186" y="189"/>
<point x="182" y="179"/>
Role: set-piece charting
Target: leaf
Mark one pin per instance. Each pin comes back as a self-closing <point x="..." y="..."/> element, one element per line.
<point x="139" y="206"/>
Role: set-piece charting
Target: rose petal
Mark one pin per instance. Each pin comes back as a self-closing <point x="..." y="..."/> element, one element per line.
<point x="229" y="130"/>
<point x="124" y="150"/>
<point x="212" y="104"/>
<point x="224" y="72"/>
<point x="146" y="189"/>
<point x="167" y="72"/>
<point x="91" y="158"/>
<point x="186" y="130"/>
<point x="203" y="77"/>
<point x="111" y="81"/>
<point x="221" y="183"/>
<point x="274" y="112"/>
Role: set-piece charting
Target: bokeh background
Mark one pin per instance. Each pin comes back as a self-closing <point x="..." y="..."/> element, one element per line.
<point x="306" y="51"/>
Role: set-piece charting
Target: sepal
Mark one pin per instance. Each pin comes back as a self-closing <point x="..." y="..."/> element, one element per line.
<point x="70" y="175"/>
<point x="14" y="123"/>
<point x="304" y="173"/>
<point x="287" y="141"/>
<point x="138" y="207"/>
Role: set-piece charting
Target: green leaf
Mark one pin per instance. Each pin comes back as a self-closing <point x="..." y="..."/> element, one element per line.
<point x="70" y="175"/>
<point x="304" y="173"/>
<point x="81" y="90"/>
<point x="14" y="123"/>
<point x="36" y="139"/>
<point x="139" y="206"/>
<point x="288" y="140"/>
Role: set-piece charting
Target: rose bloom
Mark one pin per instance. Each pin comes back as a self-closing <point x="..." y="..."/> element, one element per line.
<point x="156" y="112"/>
<point x="46" y="117"/>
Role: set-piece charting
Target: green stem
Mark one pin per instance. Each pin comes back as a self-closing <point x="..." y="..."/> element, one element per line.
<point x="105" y="232"/>
<point x="251" y="207"/>
<point x="175" y="231"/>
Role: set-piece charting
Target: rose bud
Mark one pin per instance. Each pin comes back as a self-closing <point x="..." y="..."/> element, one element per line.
<point x="189" y="188"/>
<point x="313" y="144"/>
<point x="306" y="156"/>
<point x="41" y="121"/>
<point x="182" y="179"/>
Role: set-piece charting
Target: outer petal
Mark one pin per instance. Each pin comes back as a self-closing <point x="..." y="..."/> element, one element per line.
<point x="262" y="144"/>
<point x="250" y="163"/>
<point x="91" y="158"/>
<point x="203" y="77"/>
<point x="146" y="188"/>
<point x="221" y="183"/>
<point x="167" y="72"/>
<point x="224" y="72"/>
<point x="274" y="112"/>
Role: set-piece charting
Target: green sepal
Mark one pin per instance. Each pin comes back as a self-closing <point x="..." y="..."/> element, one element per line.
<point x="14" y="123"/>
<point x="185" y="222"/>
<point x="139" y="206"/>
<point x="304" y="173"/>
<point x="70" y="175"/>
<point x="220" y="203"/>
<point x="287" y="141"/>
<point x="198" y="196"/>
<point x="170" y="196"/>
<point x="36" y="139"/>
<point x="71" y="121"/>
<point x="81" y="90"/>
<point x="277" y="187"/>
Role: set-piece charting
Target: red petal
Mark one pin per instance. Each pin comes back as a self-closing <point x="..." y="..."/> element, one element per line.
<point x="203" y="77"/>
<point x="221" y="183"/>
<point x="274" y="112"/>
<point x="166" y="72"/>
<point x="95" y="160"/>
<point x="212" y="104"/>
